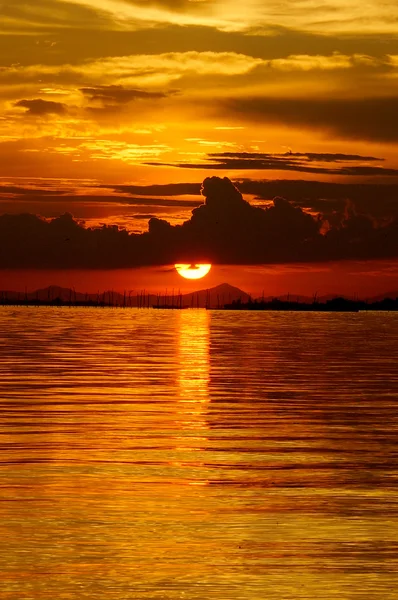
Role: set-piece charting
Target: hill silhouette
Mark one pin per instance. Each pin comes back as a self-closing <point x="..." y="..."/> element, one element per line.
<point x="55" y="295"/>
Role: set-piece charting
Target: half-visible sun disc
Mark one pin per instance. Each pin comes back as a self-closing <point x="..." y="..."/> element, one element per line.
<point x="193" y="271"/>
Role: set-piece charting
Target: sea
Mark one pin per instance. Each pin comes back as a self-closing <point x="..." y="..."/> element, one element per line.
<point x="197" y="455"/>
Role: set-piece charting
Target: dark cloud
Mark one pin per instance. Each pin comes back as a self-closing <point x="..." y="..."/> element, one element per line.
<point x="363" y="118"/>
<point x="40" y="107"/>
<point x="174" y="5"/>
<point x="375" y="199"/>
<point x="13" y="190"/>
<point x="379" y="200"/>
<point x="117" y="94"/>
<point x="326" y="157"/>
<point x="169" y="189"/>
<point x="225" y="229"/>
<point x="99" y="199"/>
<point x="144" y="217"/>
<point x="109" y="101"/>
<point x="289" y="161"/>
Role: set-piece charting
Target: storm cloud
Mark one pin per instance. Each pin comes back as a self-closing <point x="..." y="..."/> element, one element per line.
<point x="225" y="229"/>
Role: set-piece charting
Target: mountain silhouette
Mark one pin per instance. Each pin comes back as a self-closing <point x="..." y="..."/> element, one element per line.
<point x="213" y="297"/>
<point x="216" y="296"/>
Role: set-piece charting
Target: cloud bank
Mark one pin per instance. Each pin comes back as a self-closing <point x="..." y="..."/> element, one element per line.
<point x="225" y="229"/>
<point x="351" y="118"/>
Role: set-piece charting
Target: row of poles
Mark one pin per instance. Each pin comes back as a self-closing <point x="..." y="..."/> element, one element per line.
<point x="141" y="299"/>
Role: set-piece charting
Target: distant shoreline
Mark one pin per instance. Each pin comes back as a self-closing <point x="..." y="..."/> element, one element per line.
<point x="334" y="305"/>
<point x="222" y="297"/>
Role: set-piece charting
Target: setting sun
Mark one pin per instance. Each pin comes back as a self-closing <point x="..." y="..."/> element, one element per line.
<point x="193" y="271"/>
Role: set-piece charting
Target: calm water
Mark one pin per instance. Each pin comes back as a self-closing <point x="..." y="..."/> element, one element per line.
<point x="197" y="455"/>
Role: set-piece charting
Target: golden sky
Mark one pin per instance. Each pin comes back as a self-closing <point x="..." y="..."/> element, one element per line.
<point x="100" y="93"/>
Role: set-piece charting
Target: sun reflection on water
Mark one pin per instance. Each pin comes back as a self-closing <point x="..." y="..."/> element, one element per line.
<point x="193" y="355"/>
<point x="193" y="380"/>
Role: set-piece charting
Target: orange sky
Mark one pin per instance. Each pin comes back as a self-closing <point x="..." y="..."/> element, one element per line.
<point x="100" y="93"/>
<point x="351" y="278"/>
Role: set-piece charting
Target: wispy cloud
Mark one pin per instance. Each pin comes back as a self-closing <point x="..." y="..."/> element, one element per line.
<point x="331" y="164"/>
<point x="136" y="69"/>
<point x="308" y="62"/>
<point x="310" y="15"/>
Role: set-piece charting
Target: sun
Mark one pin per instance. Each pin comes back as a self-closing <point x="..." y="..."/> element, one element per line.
<point x="193" y="271"/>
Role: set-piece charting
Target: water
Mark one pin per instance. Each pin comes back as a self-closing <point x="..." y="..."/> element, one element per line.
<point x="197" y="455"/>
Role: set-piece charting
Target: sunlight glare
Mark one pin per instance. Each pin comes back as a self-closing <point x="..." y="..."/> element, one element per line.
<point x="192" y="271"/>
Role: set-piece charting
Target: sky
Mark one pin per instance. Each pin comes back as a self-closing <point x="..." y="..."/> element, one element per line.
<point x="114" y="112"/>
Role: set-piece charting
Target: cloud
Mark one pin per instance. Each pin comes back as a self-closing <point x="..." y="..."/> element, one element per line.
<point x="290" y="161"/>
<point x="376" y="200"/>
<point x="117" y="94"/>
<point x="111" y="100"/>
<point x="328" y="157"/>
<point x="90" y="41"/>
<point x="306" y="62"/>
<point x="353" y="118"/>
<point x="169" y="189"/>
<point x="40" y="107"/>
<point x="119" y="70"/>
<point x="42" y="15"/>
<point x="175" y="5"/>
<point x="331" y="62"/>
<point x="379" y="200"/>
<point x="85" y="196"/>
<point x="225" y="229"/>
<point x="135" y="69"/>
<point x="144" y="217"/>
<point x="13" y="190"/>
<point x="310" y="15"/>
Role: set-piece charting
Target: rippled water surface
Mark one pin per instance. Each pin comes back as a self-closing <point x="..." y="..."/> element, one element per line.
<point x="198" y="455"/>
